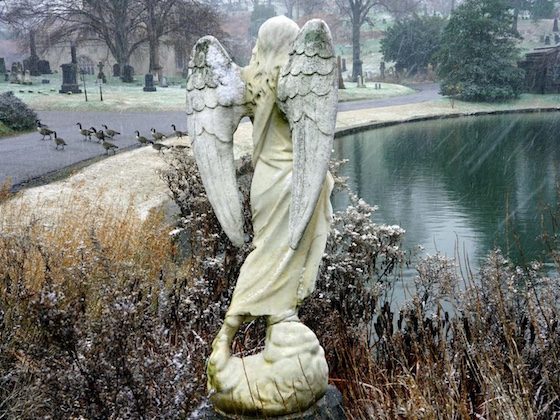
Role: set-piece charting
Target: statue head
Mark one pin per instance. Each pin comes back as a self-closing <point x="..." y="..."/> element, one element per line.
<point x="270" y="53"/>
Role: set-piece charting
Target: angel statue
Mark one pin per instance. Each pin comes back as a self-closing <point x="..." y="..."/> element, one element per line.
<point x="289" y="91"/>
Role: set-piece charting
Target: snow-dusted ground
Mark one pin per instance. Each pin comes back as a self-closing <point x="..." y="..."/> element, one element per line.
<point x="132" y="178"/>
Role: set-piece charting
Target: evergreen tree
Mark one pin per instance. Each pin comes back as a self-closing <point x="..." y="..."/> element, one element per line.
<point x="477" y="59"/>
<point x="412" y="43"/>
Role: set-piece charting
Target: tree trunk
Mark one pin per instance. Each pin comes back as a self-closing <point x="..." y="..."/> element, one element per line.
<point x="356" y="61"/>
<point x="32" y="61"/>
<point x="289" y="8"/>
<point x="515" y="19"/>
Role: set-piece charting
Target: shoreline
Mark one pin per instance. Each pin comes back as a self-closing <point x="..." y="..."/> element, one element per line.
<point x="132" y="178"/>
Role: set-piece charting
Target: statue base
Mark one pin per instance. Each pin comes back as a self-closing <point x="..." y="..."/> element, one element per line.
<point x="327" y="408"/>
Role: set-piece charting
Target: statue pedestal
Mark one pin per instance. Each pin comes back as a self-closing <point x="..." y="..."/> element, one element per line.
<point x="327" y="408"/>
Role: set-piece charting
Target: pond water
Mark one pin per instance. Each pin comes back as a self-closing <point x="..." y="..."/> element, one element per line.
<point x="460" y="186"/>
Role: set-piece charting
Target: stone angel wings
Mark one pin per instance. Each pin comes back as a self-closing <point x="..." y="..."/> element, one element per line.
<point x="306" y="93"/>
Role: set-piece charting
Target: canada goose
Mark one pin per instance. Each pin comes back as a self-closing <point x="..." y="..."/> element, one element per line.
<point x="84" y="132"/>
<point x="99" y="134"/>
<point x="44" y="130"/>
<point x="178" y="133"/>
<point x="59" y="141"/>
<point x="141" y="139"/>
<point x="109" y="146"/>
<point x="159" y="146"/>
<point x="109" y="132"/>
<point x="157" y="135"/>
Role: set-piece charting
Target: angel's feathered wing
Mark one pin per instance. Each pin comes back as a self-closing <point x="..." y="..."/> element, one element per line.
<point x="215" y="106"/>
<point x="308" y="95"/>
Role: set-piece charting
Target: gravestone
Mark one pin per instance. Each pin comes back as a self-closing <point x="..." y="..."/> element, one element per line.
<point x="547" y="40"/>
<point x="44" y="67"/>
<point x="163" y="82"/>
<point x="69" y="79"/>
<point x="27" y="78"/>
<point x="116" y="70"/>
<point x="6" y="77"/>
<point x="340" y="78"/>
<point x="128" y="74"/>
<point x="555" y="25"/>
<point x="149" y="83"/>
<point x="13" y="73"/>
<point x="343" y="64"/>
<point x="31" y="64"/>
<point x="2" y="65"/>
<point x="556" y="39"/>
<point x="100" y="74"/>
<point x="382" y="70"/>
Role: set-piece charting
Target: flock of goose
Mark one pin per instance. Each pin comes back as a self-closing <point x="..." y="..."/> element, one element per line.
<point x="103" y="135"/>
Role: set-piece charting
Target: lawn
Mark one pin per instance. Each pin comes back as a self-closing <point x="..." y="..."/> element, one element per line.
<point x="121" y="97"/>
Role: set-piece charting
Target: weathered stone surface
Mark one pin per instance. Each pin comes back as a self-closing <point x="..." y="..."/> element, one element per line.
<point x="327" y="408"/>
<point x="289" y="90"/>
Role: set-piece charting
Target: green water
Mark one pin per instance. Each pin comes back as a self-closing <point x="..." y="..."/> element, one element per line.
<point x="460" y="186"/>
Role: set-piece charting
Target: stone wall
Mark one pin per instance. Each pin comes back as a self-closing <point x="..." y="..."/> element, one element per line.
<point x="542" y="70"/>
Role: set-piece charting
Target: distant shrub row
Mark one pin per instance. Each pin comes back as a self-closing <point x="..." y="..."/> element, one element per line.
<point x="15" y="114"/>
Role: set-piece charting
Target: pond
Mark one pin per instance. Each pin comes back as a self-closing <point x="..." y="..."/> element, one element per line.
<point x="461" y="186"/>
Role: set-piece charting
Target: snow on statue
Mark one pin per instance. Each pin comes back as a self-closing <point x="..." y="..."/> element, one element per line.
<point x="289" y="90"/>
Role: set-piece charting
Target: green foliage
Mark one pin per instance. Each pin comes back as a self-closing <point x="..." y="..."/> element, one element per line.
<point x="259" y="15"/>
<point x="542" y="9"/>
<point x="15" y="114"/>
<point x="412" y="43"/>
<point x="477" y="59"/>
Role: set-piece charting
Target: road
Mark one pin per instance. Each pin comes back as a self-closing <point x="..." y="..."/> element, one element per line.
<point x="26" y="157"/>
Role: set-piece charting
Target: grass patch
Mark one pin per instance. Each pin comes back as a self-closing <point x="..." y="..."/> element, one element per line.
<point x="388" y="90"/>
<point x="121" y="97"/>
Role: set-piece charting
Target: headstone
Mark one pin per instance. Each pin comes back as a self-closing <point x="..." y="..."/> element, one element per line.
<point x="6" y="77"/>
<point x="27" y="78"/>
<point x="340" y="78"/>
<point x="344" y="64"/>
<point x="100" y="74"/>
<point x="32" y="64"/>
<point x="45" y="81"/>
<point x="13" y="73"/>
<point x="547" y="40"/>
<point x="69" y="78"/>
<point x="2" y="65"/>
<point x="541" y="38"/>
<point x="44" y="67"/>
<point x="149" y="83"/>
<point x="556" y="38"/>
<point x="128" y="74"/>
<point x="382" y="70"/>
<point x="18" y="72"/>
<point x="116" y="70"/>
<point x="555" y="25"/>
<point x="163" y="82"/>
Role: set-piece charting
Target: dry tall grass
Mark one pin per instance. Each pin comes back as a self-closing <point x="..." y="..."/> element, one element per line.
<point x="105" y="315"/>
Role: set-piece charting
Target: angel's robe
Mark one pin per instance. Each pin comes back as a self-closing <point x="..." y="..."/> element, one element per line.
<point x="274" y="278"/>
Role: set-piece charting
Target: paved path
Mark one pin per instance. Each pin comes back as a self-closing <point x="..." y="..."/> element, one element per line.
<point x="26" y="157"/>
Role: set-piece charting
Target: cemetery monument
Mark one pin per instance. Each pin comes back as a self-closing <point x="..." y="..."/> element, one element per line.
<point x="289" y="90"/>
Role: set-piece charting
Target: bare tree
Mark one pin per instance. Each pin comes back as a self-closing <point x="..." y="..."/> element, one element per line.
<point x="357" y="11"/>
<point x="179" y="19"/>
<point x="25" y="20"/>
<point x="118" y="23"/>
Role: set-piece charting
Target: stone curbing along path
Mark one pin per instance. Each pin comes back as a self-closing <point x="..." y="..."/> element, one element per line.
<point x="132" y="178"/>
